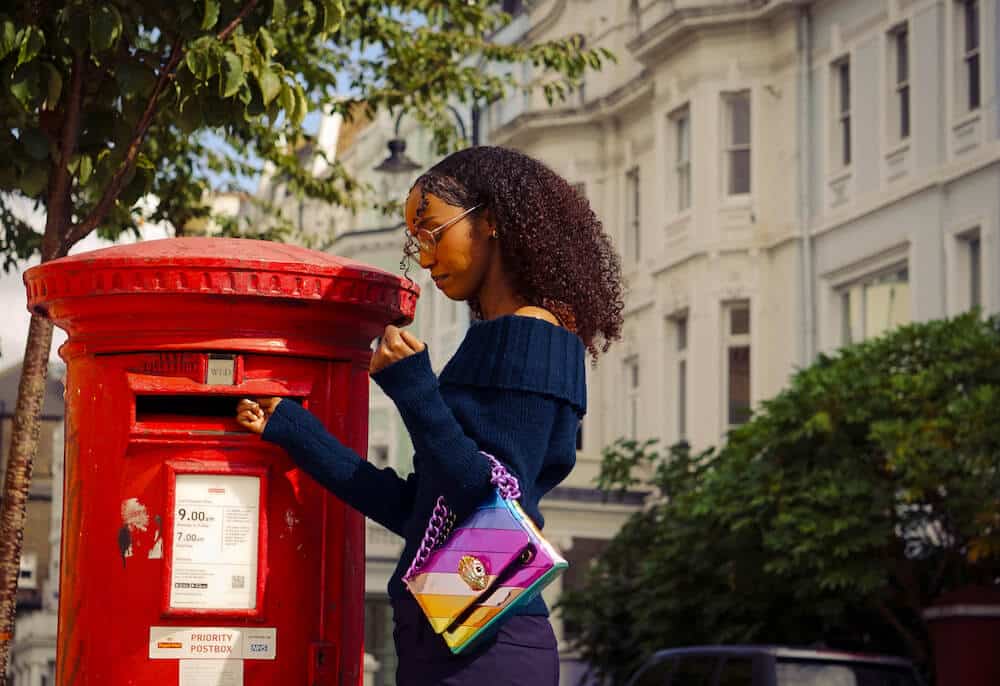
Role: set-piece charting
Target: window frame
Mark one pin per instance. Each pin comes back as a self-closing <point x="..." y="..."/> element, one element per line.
<point x="680" y="162"/>
<point x="731" y="147"/>
<point x="731" y="342"/>
<point x="971" y="67"/>
<point x="968" y="270"/>
<point x="680" y="328"/>
<point x="974" y="246"/>
<point x="865" y="282"/>
<point x="841" y="143"/>
<point x="633" y="214"/>
<point x="633" y="386"/>
<point x="900" y="91"/>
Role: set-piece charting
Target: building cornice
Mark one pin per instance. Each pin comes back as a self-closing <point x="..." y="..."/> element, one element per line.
<point x="546" y="22"/>
<point x="353" y="242"/>
<point x="592" y="112"/>
<point x="673" y="30"/>
<point x="945" y="175"/>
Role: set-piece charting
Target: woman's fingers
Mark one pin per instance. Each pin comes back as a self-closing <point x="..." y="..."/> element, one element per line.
<point x="253" y="414"/>
<point x="395" y="345"/>
<point x="414" y="343"/>
<point x="392" y="339"/>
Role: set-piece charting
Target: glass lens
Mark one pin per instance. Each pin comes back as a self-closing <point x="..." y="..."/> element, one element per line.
<point x="426" y="242"/>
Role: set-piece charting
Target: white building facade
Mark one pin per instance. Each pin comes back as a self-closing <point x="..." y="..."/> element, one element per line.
<point x="781" y="177"/>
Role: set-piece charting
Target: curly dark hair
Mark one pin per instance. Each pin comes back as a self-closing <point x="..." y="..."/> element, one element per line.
<point x="551" y="242"/>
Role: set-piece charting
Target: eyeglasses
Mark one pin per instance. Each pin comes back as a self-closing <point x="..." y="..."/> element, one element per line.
<point x="424" y="241"/>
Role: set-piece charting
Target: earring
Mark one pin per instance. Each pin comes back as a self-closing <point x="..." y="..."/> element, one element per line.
<point x="494" y="234"/>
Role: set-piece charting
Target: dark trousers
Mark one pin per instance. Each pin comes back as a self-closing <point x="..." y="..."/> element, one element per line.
<point x="522" y="652"/>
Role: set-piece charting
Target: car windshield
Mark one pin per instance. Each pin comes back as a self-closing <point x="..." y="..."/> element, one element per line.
<point x="816" y="673"/>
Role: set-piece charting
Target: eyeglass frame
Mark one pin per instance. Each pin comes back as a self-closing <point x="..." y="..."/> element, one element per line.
<point x="425" y="241"/>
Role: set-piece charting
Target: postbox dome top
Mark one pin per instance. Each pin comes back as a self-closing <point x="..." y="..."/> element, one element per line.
<point x="214" y="252"/>
<point x="224" y="266"/>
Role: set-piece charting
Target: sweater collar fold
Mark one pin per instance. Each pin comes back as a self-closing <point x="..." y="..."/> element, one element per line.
<point x="521" y="353"/>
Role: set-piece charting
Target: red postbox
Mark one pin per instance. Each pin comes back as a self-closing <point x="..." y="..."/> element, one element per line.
<point x="194" y="553"/>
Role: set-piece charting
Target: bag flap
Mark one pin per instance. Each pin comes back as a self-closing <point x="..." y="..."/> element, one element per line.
<point x="463" y="570"/>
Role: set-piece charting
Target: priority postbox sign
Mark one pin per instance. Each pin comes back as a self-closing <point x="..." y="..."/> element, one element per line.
<point x="212" y="643"/>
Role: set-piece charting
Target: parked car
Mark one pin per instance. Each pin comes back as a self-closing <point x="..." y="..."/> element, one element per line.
<point x="750" y="665"/>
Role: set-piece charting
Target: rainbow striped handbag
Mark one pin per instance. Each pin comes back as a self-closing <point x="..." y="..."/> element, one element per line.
<point x="466" y="578"/>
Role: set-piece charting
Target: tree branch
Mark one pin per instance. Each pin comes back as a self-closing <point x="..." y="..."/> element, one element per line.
<point x="917" y="649"/>
<point x="61" y="180"/>
<point x="226" y="32"/>
<point x="114" y="187"/>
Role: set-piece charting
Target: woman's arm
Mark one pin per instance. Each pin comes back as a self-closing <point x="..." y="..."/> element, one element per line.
<point x="452" y="457"/>
<point x="379" y="494"/>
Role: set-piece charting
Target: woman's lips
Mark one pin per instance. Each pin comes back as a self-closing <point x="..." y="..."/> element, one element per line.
<point x="439" y="279"/>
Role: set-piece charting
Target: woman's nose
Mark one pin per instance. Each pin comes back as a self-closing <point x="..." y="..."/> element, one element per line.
<point x="427" y="260"/>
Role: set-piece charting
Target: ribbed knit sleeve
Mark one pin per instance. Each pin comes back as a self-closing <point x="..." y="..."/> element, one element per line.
<point x="454" y="462"/>
<point x="379" y="494"/>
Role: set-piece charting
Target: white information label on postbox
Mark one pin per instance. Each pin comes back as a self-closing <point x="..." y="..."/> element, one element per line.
<point x="260" y="644"/>
<point x="212" y="643"/>
<point x="214" y="547"/>
<point x="221" y="371"/>
<point x="210" y="673"/>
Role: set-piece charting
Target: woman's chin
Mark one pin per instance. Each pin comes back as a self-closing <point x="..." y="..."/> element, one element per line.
<point x="444" y="285"/>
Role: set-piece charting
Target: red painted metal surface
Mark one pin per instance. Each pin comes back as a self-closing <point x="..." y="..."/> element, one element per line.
<point x="964" y="627"/>
<point x="144" y="321"/>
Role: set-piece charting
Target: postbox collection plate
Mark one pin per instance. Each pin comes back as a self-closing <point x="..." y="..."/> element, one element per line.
<point x="217" y="539"/>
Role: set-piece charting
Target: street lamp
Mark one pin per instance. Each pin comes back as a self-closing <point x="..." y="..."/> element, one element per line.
<point x="398" y="163"/>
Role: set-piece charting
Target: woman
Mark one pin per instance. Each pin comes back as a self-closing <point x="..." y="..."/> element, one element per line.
<point x="504" y="233"/>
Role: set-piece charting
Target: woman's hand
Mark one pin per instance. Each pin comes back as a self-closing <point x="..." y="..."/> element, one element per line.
<point x="253" y="415"/>
<point x="395" y="345"/>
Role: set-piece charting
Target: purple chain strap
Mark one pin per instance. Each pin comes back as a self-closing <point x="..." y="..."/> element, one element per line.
<point x="443" y="519"/>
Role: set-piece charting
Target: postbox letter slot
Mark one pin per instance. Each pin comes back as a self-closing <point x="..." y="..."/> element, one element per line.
<point x="185" y="405"/>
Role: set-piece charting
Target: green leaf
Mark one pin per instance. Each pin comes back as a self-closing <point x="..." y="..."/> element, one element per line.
<point x="191" y="115"/>
<point x="266" y="43"/>
<point x="288" y="100"/>
<point x="33" y="180"/>
<point x="105" y="27"/>
<point x="143" y="162"/>
<point x="232" y="76"/>
<point x="309" y="9"/>
<point x="32" y="42"/>
<point x="35" y="144"/>
<point x="270" y="85"/>
<point x="301" y="107"/>
<point x="8" y="36"/>
<point x="201" y="61"/>
<point x="278" y="12"/>
<point x="54" y="84"/>
<point x="74" y="28"/>
<point x="211" y="14"/>
<point x="135" y="79"/>
<point x="86" y="169"/>
<point x="333" y="15"/>
<point x="25" y="85"/>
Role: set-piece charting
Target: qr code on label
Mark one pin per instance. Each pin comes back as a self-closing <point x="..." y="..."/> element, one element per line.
<point x="239" y="581"/>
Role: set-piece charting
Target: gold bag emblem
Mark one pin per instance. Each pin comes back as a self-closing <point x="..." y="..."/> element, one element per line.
<point x="473" y="572"/>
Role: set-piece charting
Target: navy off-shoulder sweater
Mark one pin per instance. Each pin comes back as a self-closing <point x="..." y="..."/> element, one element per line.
<point x="515" y="388"/>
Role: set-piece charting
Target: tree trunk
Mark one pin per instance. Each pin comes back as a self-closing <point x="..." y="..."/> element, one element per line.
<point x="30" y="396"/>
<point x="23" y="447"/>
